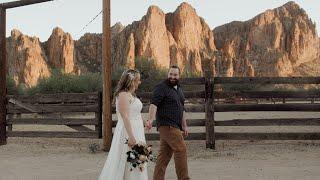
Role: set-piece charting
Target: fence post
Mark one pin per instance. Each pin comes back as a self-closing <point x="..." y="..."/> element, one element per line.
<point x="98" y="116"/>
<point x="10" y="117"/>
<point x="210" y="136"/>
<point x="3" y="72"/>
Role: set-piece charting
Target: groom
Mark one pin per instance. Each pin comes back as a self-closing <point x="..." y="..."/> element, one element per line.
<point x="167" y="107"/>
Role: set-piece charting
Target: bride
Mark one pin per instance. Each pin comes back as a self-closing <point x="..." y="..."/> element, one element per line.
<point x="129" y="126"/>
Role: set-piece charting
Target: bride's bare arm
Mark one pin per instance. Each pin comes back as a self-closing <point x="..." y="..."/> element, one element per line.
<point x="152" y="113"/>
<point x="124" y="112"/>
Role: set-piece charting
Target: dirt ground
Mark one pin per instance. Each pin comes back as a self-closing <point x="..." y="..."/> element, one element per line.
<point x="51" y="159"/>
<point x="63" y="159"/>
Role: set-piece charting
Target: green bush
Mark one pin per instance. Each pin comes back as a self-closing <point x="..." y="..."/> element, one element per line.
<point x="188" y="74"/>
<point x="11" y="86"/>
<point x="60" y="82"/>
<point x="150" y="73"/>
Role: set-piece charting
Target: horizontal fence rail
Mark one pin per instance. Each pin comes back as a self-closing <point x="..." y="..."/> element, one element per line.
<point x="266" y="107"/>
<point x="49" y="108"/>
<point x="267" y="80"/>
<point x="270" y="122"/>
<point x="267" y="94"/>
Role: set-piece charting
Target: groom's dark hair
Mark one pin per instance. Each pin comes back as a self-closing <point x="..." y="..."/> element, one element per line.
<point x="175" y="67"/>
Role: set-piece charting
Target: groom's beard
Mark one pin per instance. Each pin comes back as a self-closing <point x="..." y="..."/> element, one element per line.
<point x="173" y="81"/>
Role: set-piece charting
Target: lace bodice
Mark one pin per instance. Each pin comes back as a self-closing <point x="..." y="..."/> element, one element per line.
<point x="135" y="107"/>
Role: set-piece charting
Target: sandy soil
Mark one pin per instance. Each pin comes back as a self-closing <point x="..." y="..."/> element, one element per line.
<point x="50" y="159"/>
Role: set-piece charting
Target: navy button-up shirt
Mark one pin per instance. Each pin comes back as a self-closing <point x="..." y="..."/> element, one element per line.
<point x="170" y="104"/>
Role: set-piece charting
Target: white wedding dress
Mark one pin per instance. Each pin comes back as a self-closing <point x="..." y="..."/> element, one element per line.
<point x="116" y="166"/>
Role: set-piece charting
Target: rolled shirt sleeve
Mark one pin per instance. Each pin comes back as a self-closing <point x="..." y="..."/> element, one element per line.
<point x="184" y="108"/>
<point x="182" y="100"/>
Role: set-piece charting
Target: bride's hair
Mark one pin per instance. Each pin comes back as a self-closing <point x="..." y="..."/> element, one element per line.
<point x="127" y="82"/>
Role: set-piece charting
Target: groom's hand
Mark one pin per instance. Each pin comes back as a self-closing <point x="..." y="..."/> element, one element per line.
<point x="185" y="131"/>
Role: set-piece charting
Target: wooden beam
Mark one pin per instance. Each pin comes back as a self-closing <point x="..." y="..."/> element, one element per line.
<point x="187" y="94"/>
<point x="267" y="94"/>
<point x="53" y="134"/>
<point x="191" y="136"/>
<point x="267" y="80"/>
<point x="189" y="108"/>
<point x="53" y="121"/>
<point x="107" y="86"/>
<point x="98" y="115"/>
<point x="57" y="98"/>
<point x="271" y="122"/>
<point x="183" y="81"/>
<point x="209" y="110"/>
<point x="268" y="136"/>
<point x="192" y="81"/>
<point x="54" y="108"/>
<point x="266" y="107"/>
<point x="190" y="123"/>
<point x="15" y="4"/>
<point x="23" y="106"/>
<point x="80" y="128"/>
<point x="3" y="75"/>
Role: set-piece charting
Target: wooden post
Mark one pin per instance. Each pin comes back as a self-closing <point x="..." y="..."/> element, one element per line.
<point x="10" y="117"/>
<point x="210" y="136"/>
<point x="107" y="88"/>
<point x="3" y="75"/>
<point x="15" y="4"/>
<point x="98" y="115"/>
<point x="3" y="62"/>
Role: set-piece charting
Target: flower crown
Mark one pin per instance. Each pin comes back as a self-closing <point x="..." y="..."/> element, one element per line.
<point x="131" y="75"/>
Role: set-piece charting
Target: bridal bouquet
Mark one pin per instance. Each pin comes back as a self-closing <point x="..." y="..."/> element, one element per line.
<point x="139" y="155"/>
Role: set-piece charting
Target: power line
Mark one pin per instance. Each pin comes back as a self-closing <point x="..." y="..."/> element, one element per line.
<point x="90" y="21"/>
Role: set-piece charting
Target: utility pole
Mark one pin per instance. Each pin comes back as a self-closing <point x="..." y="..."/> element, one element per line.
<point x="107" y="86"/>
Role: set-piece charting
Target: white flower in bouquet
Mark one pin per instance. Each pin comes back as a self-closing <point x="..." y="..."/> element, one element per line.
<point x="142" y="158"/>
<point x="132" y="156"/>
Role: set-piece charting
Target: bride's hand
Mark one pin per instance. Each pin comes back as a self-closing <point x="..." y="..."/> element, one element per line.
<point x="148" y="125"/>
<point x="131" y="141"/>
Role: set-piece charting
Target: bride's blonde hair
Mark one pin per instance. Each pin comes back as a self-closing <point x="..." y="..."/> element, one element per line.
<point x="127" y="82"/>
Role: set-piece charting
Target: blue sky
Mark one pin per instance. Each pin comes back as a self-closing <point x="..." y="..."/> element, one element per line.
<point x="72" y="15"/>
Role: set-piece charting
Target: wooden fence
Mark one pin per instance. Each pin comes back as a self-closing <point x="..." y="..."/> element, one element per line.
<point x="314" y="107"/>
<point x="203" y="98"/>
<point x="48" y="109"/>
<point x="210" y="107"/>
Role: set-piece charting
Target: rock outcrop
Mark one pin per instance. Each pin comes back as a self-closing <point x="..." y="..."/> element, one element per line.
<point x="274" y="43"/>
<point x="60" y="51"/>
<point x="181" y="37"/>
<point x="27" y="62"/>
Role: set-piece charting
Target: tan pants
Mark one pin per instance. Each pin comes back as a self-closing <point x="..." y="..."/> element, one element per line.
<point x="171" y="142"/>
